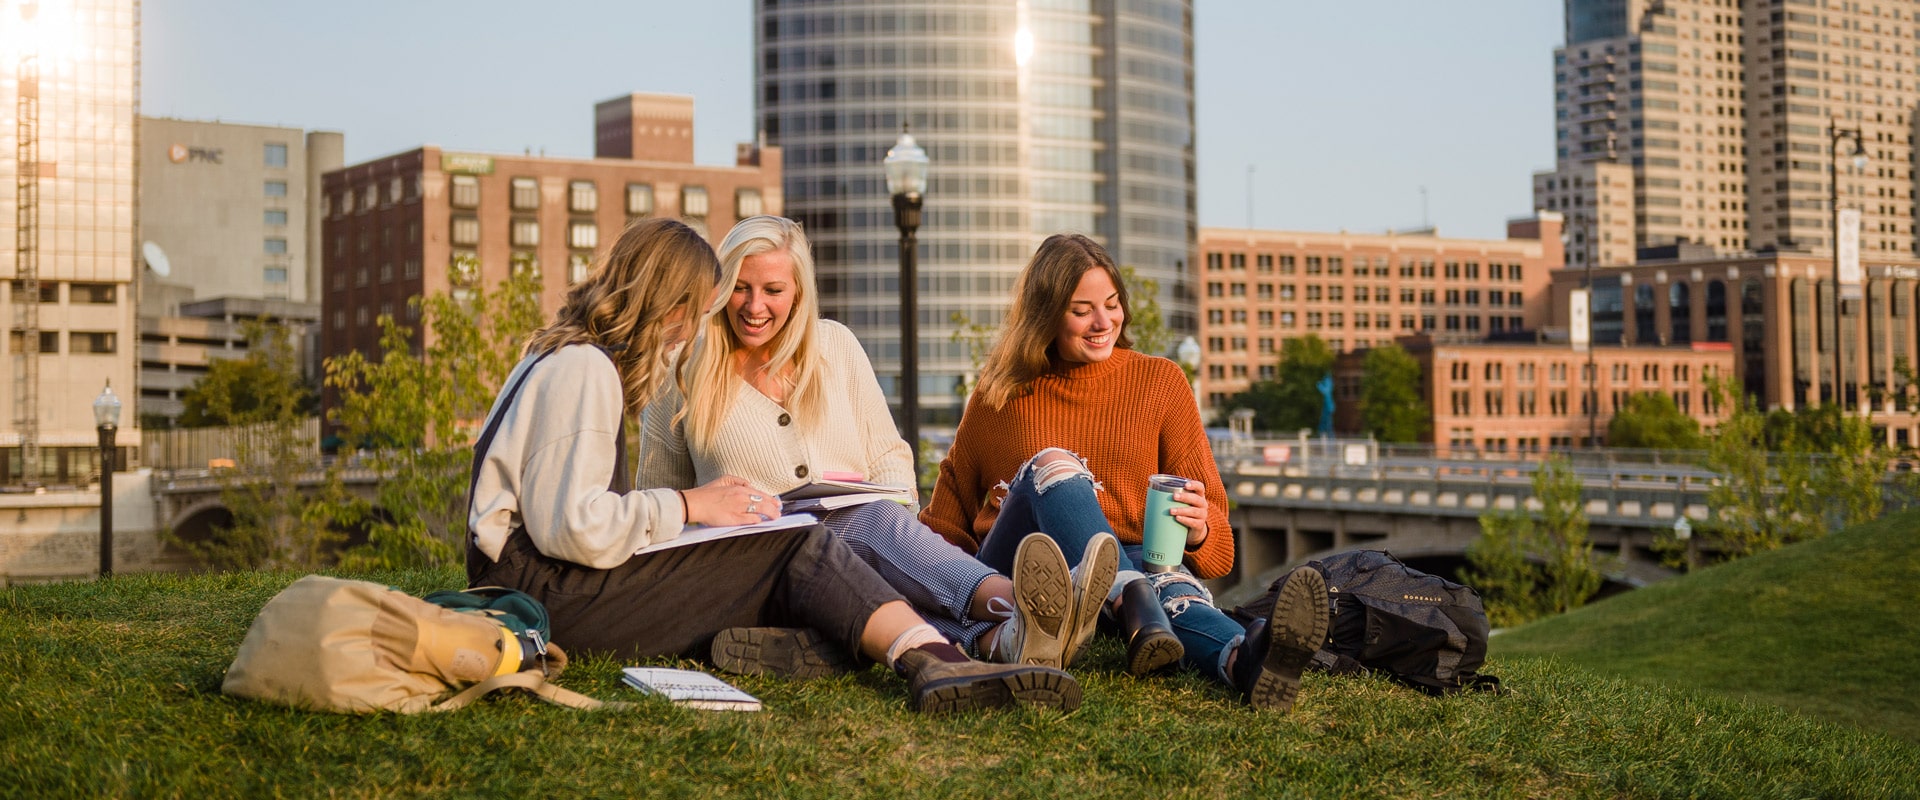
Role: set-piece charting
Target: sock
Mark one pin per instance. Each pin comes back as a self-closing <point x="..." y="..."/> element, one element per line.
<point x="919" y="635"/>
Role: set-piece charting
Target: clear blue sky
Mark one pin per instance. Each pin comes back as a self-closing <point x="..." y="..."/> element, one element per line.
<point x="1345" y="110"/>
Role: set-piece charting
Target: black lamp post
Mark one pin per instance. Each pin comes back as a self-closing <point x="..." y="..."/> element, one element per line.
<point x="906" y="166"/>
<point x="1835" y="134"/>
<point x="106" y="416"/>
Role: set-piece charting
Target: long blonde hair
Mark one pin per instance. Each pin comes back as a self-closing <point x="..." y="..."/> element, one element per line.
<point x="1040" y="300"/>
<point x="656" y="267"/>
<point x="710" y="381"/>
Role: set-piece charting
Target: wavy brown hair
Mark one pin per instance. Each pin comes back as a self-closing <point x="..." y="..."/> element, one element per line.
<point x="1040" y="300"/>
<point x="656" y="268"/>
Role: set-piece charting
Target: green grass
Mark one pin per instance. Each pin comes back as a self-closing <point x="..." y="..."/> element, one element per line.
<point x="1828" y="628"/>
<point x="112" y="689"/>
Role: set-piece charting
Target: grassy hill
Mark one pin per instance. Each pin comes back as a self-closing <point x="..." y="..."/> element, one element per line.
<point x="112" y="690"/>
<point x="1829" y="628"/>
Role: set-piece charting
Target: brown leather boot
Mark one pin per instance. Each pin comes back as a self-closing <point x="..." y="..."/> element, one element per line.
<point x="940" y="684"/>
<point x="1151" y="645"/>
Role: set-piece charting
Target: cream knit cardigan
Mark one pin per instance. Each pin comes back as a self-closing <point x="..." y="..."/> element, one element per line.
<point x="774" y="451"/>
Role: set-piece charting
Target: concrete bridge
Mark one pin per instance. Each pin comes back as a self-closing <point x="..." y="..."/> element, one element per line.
<point x="1299" y="500"/>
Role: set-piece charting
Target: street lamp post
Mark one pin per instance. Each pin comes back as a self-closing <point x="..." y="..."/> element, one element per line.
<point x="906" y="167"/>
<point x="106" y="415"/>
<point x="1835" y="134"/>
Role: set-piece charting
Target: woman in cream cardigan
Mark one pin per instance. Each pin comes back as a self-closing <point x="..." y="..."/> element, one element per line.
<point x="782" y="397"/>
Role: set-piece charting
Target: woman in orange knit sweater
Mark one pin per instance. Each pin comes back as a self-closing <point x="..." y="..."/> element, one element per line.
<point x="1061" y="435"/>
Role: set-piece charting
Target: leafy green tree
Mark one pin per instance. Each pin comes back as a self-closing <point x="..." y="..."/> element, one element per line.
<point x="1653" y="421"/>
<point x="1148" y="328"/>
<point x="1292" y="400"/>
<point x="1527" y="567"/>
<point x="1392" y="407"/>
<point x="235" y="390"/>
<point x="417" y="413"/>
<point x="265" y="403"/>
<point x="1786" y="477"/>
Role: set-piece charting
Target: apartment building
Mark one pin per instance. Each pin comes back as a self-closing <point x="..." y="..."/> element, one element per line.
<point x="1531" y="396"/>
<point x="1733" y="116"/>
<point x="1776" y="313"/>
<point x="435" y="221"/>
<point x="1359" y="290"/>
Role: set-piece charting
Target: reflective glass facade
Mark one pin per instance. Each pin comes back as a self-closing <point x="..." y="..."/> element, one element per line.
<point x="82" y="59"/>
<point x="1038" y="117"/>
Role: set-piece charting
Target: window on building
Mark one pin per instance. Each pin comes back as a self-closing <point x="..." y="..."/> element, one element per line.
<point x="386" y="272"/>
<point x="466" y="231"/>
<point x="372" y="199"/>
<point x="1313" y="293"/>
<point x="92" y="293"/>
<point x="465" y="192"/>
<point x="274" y="274"/>
<point x="339" y="320"/>
<point x="1286" y="291"/>
<point x="1216" y="316"/>
<point x="276" y="155"/>
<point x="1237" y="262"/>
<point x="639" y="199"/>
<point x="276" y="246"/>
<point x="578" y="265"/>
<point x="1266" y="318"/>
<point x="276" y="188"/>
<point x="1286" y="265"/>
<point x="524" y="194"/>
<point x="582" y="235"/>
<point x="276" y="218"/>
<point x="394" y="188"/>
<point x="1263" y="291"/>
<point x="583" y="197"/>
<point x="747" y="203"/>
<point x="411" y="269"/>
<point x="525" y="232"/>
<point x="1237" y="290"/>
<point x="1217" y="372"/>
<point x="693" y="201"/>
<point x="360" y="277"/>
<point x="362" y="315"/>
<point x="1336" y="265"/>
<point x="1287" y="319"/>
<point x="1313" y="265"/>
<point x="1473" y="270"/>
<point x="1263" y="262"/>
<point x="92" y="342"/>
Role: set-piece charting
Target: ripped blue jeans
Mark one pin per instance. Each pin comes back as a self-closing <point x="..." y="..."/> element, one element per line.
<point x="1053" y="493"/>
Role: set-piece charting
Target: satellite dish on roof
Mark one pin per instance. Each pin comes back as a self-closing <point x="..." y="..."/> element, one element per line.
<point x="156" y="259"/>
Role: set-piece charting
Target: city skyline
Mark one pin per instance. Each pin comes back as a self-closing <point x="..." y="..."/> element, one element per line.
<point x="1388" y="106"/>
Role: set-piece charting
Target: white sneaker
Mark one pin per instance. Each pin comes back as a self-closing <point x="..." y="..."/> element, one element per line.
<point x="1043" y="606"/>
<point x="1092" y="581"/>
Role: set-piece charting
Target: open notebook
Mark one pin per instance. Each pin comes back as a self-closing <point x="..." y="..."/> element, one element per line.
<point x="690" y="688"/>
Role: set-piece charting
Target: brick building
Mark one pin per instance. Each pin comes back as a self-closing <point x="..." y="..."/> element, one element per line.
<point x="429" y="220"/>
<point x="1530" y="396"/>
<point x="1775" y="313"/>
<point x="1356" y="291"/>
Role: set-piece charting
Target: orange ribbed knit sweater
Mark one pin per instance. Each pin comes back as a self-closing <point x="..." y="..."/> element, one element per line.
<point x="1128" y="417"/>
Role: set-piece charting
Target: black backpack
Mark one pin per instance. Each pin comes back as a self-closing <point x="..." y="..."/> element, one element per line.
<point x="1422" y="630"/>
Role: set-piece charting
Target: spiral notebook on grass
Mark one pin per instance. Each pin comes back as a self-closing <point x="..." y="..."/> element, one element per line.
<point x="690" y="688"/>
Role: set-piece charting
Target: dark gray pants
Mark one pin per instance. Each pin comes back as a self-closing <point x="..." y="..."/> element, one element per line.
<point x="672" y="602"/>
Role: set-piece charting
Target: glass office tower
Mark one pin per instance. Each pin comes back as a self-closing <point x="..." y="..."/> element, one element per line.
<point x="1039" y="117"/>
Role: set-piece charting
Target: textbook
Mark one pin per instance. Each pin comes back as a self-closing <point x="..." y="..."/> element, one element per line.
<point x="697" y="534"/>
<point x="845" y="488"/>
<point x="690" y="688"/>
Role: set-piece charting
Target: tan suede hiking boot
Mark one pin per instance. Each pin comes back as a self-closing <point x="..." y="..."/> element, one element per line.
<point x="939" y="685"/>
<point x="799" y="653"/>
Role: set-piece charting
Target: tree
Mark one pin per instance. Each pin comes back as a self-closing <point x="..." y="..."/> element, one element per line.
<point x="265" y="402"/>
<point x="1292" y="400"/>
<point x="417" y="414"/>
<point x="1148" y="328"/>
<point x="1786" y="477"/>
<point x="238" y="389"/>
<point x="1653" y="421"/>
<point x="1392" y="407"/>
<point x="1527" y="568"/>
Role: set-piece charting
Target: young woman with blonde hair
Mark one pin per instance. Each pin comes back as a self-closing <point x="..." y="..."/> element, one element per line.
<point x="1066" y="426"/>
<point x="553" y="512"/>
<point x="780" y="397"/>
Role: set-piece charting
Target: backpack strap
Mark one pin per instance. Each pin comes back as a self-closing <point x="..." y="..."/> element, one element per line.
<point x="481" y="445"/>
<point x="531" y="681"/>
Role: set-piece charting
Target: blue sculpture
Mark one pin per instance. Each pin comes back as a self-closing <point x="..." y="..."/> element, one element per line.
<point x="1325" y="385"/>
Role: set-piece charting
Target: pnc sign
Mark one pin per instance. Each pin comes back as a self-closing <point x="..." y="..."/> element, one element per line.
<point x="181" y="154"/>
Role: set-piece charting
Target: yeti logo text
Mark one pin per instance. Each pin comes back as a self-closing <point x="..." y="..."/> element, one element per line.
<point x="181" y="153"/>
